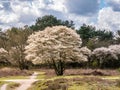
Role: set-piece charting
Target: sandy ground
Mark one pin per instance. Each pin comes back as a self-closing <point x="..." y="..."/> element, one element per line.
<point x="4" y="87"/>
<point x="25" y="83"/>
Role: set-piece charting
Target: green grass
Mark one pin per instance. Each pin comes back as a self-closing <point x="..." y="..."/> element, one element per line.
<point x="1" y="83"/>
<point x="11" y="85"/>
<point x="95" y="84"/>
<point x="110" y="77"/>
<point x="14" y="77"/>
<point x="70" y="77"/>
<point x="41" y="75"/>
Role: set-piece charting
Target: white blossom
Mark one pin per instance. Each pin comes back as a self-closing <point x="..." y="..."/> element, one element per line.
<point x="115" y="49"/>
<point x="86" y="51"/>
<point x="104" y="53"/>
<point x="58" y="43"/>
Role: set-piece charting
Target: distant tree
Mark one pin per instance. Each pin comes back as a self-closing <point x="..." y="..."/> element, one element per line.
<point x="86" y="32"/>
<point x="17" y="38"/>
<point x="50" y="20"/>
<point x="56" y="45"/>
<point x="118" y="38"/>
<point x="104" y="35"/>
<point x="107" y="57"/>
<point x="3" y="40"/>
<point x="89" y="34"/>
<point x="94" y="43"/>
<point x="118" y="32"/>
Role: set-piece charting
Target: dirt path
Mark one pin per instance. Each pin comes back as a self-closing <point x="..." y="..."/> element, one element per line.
<point x="25" y="83"/>
<point x="3" y="87"/>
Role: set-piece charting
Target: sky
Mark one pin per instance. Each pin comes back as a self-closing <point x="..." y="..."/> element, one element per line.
<point x="103" y="14"/>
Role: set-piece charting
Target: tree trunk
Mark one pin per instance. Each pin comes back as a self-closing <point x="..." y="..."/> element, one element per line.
<point x="59" y="67"/>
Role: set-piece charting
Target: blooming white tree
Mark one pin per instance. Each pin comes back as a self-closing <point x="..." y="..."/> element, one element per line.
<point x="104" y="54"/>
<point x="56" y="45"/>
<point x="86" y="52"/>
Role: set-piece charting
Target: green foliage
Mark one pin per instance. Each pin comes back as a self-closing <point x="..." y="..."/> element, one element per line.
<point x="95" y="64"/>
<point x="3" y="40"/>
<point x="93" y="38"/>
<point x="41" y="75"/>
<point x="14" y="77"/>
<point x="86" y="32"/>
<point x="119" y="69"/>
<point x="118" y="38"/>
<point x="50" y="20"/>
<point x="104" y="35"/>
<point x="1" y="83"/>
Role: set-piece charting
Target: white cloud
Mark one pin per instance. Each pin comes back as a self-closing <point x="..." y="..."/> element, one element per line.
<point x="27" y="10"/>
<point x="22" y="12"/>
<point x="6" y="17"/>
<point x="108" y="19"/>
<point x="80" y="20"/>
<point x="1" y="6"/>
<point x="58" y="5"/>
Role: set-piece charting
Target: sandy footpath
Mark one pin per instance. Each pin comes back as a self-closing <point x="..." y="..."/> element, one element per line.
<point x="25" y="83"/>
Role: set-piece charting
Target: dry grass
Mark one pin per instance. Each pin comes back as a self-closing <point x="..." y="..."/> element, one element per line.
<point x="13" y="72"/>
<point x="99" y="72"/>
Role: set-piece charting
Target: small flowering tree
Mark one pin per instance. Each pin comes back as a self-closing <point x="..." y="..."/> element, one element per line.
<point x="87" y="53"/>
<point x="56" y="45"/>
<point x="104" y="54"/>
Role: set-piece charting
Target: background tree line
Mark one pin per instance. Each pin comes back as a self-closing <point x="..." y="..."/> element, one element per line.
<point x="13" y="40"/>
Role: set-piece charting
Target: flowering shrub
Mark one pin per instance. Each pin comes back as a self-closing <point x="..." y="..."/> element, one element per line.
<point x="86" y="52"/>
<point x="108" y="55"/>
